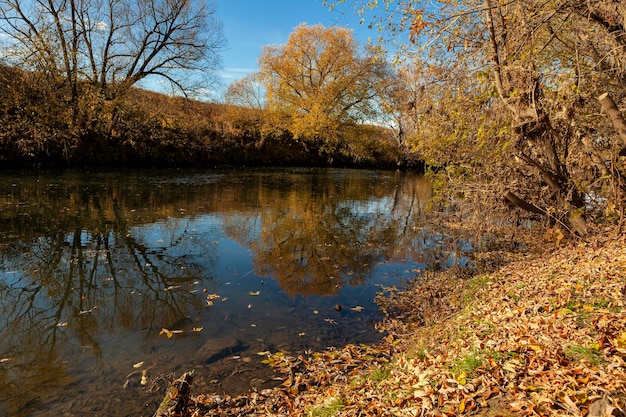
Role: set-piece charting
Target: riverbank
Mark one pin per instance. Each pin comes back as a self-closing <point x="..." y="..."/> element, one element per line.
<point x="544" y="335"/>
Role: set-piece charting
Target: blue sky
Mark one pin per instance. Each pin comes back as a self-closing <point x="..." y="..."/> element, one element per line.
<point x="251" y="24"/>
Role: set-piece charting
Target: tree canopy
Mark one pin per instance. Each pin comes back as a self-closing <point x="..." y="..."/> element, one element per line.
<point x="508" y="109"/>
<point x="112" y="43"/>
<point x="320" y="81"/>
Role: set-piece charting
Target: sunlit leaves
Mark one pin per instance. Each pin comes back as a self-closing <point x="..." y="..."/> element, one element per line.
<point x="318" y="81"/>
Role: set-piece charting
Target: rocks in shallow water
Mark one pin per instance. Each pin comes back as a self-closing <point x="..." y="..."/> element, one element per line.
<point x="216" y="349"/>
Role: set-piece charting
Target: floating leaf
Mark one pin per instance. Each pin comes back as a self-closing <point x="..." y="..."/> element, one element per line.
<point x="358" y="309"/>
<point x="197" y="329"/>
<point x="169" y="333"/>
<point x="138" y="364"/>
<point x="254" y="293"/>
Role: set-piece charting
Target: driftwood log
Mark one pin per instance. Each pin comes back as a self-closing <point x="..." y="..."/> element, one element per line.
<point x="176" y="398"/>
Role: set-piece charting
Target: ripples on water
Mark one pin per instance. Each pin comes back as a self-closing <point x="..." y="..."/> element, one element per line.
<point x="98" y="269"/>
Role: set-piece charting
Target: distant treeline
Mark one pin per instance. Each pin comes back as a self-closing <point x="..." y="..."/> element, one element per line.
<point x="39" y="125"/>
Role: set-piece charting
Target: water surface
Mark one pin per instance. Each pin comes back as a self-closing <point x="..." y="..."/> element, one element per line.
<point x="102" y="271"/>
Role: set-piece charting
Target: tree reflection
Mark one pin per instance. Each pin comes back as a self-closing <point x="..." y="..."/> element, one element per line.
<point x="86" y="258"/>
<point x="74" y="270"/>
<point x="314" y="237"/>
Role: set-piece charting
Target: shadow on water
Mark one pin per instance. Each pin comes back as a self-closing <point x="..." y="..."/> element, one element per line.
<point x="108" y="277"/>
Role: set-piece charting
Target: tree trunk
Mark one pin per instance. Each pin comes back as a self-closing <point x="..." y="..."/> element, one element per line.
<point x="617" y="119"/>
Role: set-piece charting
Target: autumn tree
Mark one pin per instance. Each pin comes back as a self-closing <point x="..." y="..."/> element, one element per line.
<point x="95" y="50"/>
<point x="247" y="103"/>
<point x="514" y="98"/>
<point x="319" y="82"/>
<point x="112" y="42"/>
<point x="248" y="91"/>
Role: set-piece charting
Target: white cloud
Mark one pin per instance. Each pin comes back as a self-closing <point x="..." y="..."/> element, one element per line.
<point x="232" y="74"/>
<point x="102" y="26"/>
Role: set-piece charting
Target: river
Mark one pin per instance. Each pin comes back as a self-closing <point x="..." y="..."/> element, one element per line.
<point x="106" y="277"/>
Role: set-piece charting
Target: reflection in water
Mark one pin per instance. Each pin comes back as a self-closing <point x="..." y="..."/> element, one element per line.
<point x="93" y="267"/>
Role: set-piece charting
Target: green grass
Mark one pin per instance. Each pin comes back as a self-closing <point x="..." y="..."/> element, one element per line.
<point x="587" y="354"/>
<point x="380" y="374"/>
<point x="329" y="409"/>
<point x="467" y="364"/>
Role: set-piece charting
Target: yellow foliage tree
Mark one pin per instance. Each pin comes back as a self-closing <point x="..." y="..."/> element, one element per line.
<point x="319" y="82"/>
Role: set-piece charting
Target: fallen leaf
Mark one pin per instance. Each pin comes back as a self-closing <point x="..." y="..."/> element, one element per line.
<point x="169" y="333"/>
<point x="620" y="341"/>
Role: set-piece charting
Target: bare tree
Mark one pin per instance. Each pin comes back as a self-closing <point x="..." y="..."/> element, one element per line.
<point x="113" y="44"/>
<point x="248" y="91"/>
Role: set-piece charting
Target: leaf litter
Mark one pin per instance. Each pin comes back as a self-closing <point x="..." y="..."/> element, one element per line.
<point x="544" y="335"/>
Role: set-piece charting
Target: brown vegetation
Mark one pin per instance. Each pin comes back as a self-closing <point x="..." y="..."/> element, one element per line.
<point x="148" y="128"/>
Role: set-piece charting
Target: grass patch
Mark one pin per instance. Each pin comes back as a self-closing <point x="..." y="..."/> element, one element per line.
<point x="587" y="354"/>
<point x="467" y="364"/>
<point x="380" y="375"/>
<point x="473" y="286"/>
<point x="328" y="409"/>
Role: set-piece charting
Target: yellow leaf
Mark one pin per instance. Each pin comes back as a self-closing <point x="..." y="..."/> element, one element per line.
<point x="138" y="364"/>
<point x="254" y="293"/>
<point x="462" y="405"/>
<point x="462" y="378"/>
<point x="620" y="341"/>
